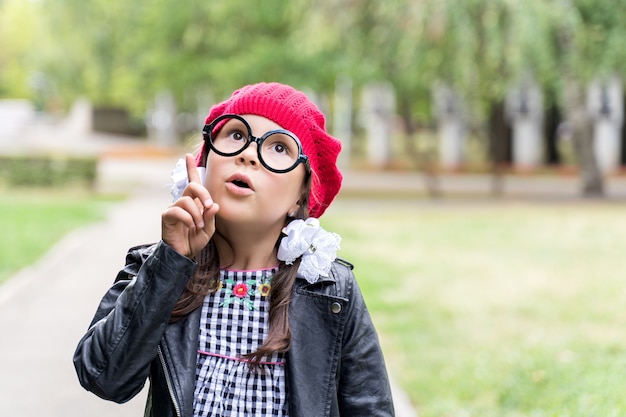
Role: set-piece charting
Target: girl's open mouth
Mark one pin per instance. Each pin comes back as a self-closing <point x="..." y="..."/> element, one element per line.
<point x="240" y="183"/>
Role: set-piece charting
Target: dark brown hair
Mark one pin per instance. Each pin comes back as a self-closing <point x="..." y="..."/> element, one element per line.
<point x="207" y="278"/>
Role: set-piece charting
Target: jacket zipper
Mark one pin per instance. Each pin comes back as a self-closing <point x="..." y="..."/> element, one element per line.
<point x="168" y="381"/>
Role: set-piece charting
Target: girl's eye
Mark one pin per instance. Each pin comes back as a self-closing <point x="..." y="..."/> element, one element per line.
<point x="280" y="148"/>
<point x="237" y="135"/>
<point x="280" y="144"/>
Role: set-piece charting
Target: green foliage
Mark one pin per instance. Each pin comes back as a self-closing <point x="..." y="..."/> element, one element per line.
<point x="47" y="170"/>
<point x="503" y="310"/>
<point x="18" y="23"/>
<point x="602" y="36"/>
<point x="121" y="53"/>
<point x="128" y="51"/>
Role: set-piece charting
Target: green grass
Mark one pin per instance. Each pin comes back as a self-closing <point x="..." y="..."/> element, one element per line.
<point x="502" y="310"/>
<point x="32" y="221"/>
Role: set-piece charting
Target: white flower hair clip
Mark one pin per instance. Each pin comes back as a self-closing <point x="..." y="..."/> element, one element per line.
<point x="317" y="247"/>
<point x="179" y="176"/>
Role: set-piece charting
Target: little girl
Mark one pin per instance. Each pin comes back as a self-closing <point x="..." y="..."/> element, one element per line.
<point x="242" y="309"/>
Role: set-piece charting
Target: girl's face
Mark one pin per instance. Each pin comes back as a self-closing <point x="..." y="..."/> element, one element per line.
<point x="247" y="192"/>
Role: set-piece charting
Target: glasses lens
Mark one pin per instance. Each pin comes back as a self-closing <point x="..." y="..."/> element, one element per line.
<point x="231" y="136"/>
<point x="280" y="151"/>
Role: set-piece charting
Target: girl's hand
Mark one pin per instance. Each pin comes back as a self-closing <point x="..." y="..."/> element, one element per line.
<point x="189" y="223"/>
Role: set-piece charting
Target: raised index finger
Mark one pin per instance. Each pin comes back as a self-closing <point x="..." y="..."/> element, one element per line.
<point x="192" y="170"/>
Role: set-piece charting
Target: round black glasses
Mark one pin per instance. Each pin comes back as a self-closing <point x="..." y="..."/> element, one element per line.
<point x="279" y="150"/>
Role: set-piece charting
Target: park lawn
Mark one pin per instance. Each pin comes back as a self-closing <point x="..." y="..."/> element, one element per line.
<point x="501" y="310"/>
<point x="32" y="221"/>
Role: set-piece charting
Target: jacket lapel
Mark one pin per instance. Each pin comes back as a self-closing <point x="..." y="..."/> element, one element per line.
<point x="181" y="362"/>
<point x="316" y="320"/>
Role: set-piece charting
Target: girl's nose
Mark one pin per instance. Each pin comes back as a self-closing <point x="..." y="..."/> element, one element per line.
<point x="250" y="155"/>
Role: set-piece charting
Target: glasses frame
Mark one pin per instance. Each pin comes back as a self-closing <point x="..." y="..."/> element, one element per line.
<point x="207" y="135"/>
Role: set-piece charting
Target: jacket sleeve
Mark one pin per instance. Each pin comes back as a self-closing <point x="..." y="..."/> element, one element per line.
<point x="363" y="386"/>
<point x="113" y="358"/>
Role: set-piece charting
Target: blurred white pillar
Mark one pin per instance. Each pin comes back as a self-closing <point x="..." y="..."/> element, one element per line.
<point x="377" y="109"/>
<point x="605" y="106"/>
<point x="450" y="115"/>
<point x="80" y="119"/>
<point x="161" y="120"/>
<point x="524" y="107"/>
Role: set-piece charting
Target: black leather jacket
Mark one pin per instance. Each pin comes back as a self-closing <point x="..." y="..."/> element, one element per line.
<point x="334" y="366"/>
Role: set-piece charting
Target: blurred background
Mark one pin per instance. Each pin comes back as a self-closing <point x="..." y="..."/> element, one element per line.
<point x="484" y="155"/>
<point x="424" y="85"/>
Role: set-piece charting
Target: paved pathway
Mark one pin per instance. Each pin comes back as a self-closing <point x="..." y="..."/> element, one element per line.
<point x="45" y="309"/>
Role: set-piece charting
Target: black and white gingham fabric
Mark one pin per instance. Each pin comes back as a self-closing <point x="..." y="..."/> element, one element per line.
<point x="235" y="322"/>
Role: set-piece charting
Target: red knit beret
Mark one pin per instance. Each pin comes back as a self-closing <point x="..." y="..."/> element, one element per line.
<point x="292" y="110"/>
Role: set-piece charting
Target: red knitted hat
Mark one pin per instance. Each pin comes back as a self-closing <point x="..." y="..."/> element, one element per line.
<point x="292" y="110"/>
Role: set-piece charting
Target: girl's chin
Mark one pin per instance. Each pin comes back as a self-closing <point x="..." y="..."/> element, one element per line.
<point x="238" y="216"/>
<point x="235" y="215"/>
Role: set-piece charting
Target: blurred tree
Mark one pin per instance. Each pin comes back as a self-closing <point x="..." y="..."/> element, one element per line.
<point x="82" y="54"/>
<point x="122" y="53"/>
<point x="18" y="33"/>
<point x="125" y="52"/>
<point x="481" y="48"/>
<point x="476" y="47"/>
<point x="591" y="42"/>
<point x="564" y="44"/>
<point x="375" y="41"/>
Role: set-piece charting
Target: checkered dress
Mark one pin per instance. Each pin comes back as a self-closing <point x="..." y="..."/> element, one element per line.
<point x="235" y="322"/>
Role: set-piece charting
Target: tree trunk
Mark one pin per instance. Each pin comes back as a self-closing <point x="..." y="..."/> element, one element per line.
<point x="552" y="120"/>
<point x="581" y="130"/>
<point x="499" y="145"/>
<point x="577" y="119"/>
<point x="424" y="159"/>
